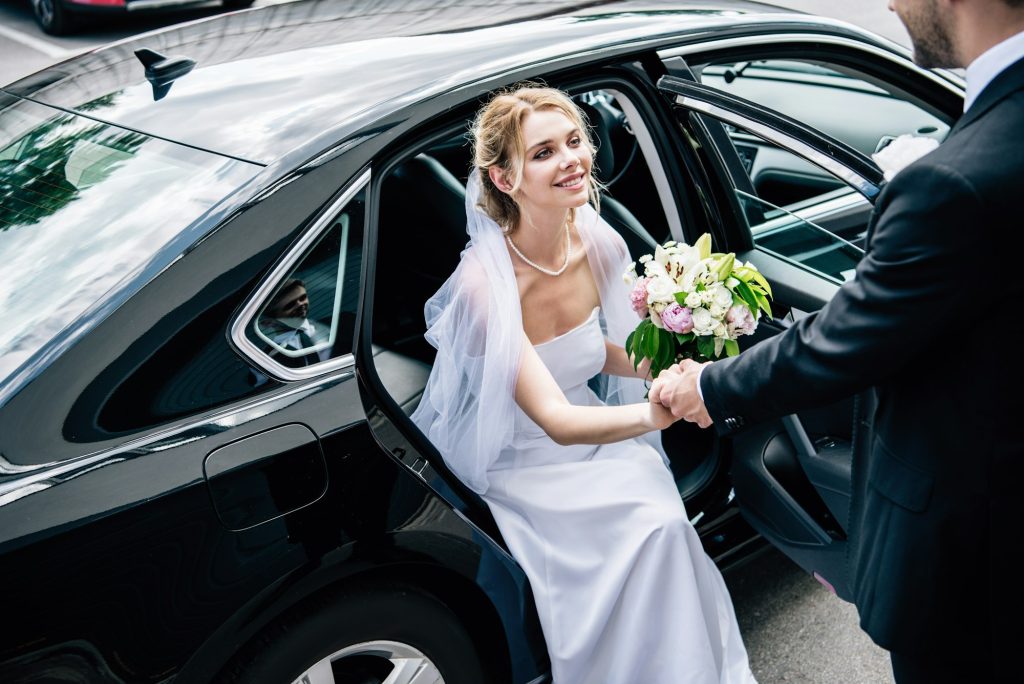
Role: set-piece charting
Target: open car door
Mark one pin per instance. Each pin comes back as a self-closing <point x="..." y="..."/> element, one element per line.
<point x="791" y="476"/>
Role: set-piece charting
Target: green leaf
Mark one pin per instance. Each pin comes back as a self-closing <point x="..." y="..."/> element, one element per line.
<point x="655" y="343"/>
<point x="743" y="273"/>
<point x="680" y="298"/>
<point x="668" y="349"/>
<point x="732" y="348"/>
<point x="748" y="296"/>
<point x="706" y="346"/>
<point x="760" y="280"/>
<point x="762" y="302"/>
<point x="683" y="338"/>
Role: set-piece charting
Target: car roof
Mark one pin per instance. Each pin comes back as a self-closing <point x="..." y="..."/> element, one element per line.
<point x="269" y="80"/>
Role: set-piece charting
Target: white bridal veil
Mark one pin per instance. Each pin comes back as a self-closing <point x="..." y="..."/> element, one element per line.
<point x="475" y="323"/>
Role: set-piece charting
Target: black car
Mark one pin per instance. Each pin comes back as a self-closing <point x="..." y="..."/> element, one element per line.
<point x="216" y="244"/>
<point x="59" y="17"/>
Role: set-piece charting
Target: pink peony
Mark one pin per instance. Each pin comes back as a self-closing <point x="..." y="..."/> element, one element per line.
<point x="677" y="318"/>
<point x="638" y="297"/>
<point x="740" y="321"/>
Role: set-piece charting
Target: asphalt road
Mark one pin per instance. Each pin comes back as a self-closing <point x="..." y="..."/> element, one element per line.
<point x="794" y="629"/>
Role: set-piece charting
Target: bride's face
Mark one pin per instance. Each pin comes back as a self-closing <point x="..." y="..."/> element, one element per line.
<point x="556" y="166"/>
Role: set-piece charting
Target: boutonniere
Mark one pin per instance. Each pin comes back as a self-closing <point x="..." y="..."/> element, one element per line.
<point x="901" y="152"/>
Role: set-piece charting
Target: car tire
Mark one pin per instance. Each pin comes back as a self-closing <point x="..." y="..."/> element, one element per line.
<point x="53" y="17"/>
<point x="364" y="635"/>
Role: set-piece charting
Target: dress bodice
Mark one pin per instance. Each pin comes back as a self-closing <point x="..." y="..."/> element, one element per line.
<point x="575" y="356"/>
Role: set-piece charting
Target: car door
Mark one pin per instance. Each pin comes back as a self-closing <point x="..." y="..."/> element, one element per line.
<point x="803" y="225"/>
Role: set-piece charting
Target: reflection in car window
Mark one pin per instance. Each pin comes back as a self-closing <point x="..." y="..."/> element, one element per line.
<point x="309" y="316"/>
<point x="84" y="207"/>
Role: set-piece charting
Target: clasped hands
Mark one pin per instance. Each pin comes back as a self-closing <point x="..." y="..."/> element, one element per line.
<point x="676" y="388"/>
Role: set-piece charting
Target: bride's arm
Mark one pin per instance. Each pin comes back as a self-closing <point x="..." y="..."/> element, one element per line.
<point x="542" y="400"/>
<point x="617" y="362"/>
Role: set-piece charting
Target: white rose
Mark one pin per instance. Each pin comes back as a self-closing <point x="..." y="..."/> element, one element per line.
<point x="693" y="300"/>
<point x="703" y="322"/>
<point x="661" y="289"/>
<point x="721" y="296"/>
<point x="717" y="311"/>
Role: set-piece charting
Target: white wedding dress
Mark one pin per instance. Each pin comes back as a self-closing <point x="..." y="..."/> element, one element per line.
<point x="624" y="590"/>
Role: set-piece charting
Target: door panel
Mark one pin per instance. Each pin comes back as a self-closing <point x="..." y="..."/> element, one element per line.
<point x="792" y="476"/>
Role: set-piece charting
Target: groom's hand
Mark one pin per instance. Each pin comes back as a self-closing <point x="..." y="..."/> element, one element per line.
<point x="676" y="389"/>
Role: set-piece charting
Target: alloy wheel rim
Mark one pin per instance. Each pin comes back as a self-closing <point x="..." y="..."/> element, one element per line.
<point x="409" y="665"/>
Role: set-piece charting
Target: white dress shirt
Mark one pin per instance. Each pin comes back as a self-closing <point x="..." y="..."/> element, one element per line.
<point x="990" y="64"/>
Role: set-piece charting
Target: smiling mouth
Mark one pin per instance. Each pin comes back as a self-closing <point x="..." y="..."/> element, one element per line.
<point x="571" y="183"/>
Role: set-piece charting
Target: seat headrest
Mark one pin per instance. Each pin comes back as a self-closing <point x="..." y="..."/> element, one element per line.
<point x="601" y="123"/>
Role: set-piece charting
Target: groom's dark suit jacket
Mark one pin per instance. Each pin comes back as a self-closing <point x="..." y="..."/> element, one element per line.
<point x="933" y="321"/>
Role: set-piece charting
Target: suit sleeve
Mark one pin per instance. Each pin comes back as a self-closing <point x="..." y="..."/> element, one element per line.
<point x="921" y="273"/>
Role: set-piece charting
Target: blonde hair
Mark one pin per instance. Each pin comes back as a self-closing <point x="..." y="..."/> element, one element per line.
<point x="498" y="141"/>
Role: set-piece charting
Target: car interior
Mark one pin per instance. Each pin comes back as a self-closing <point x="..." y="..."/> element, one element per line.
<point x="422" y="208"/>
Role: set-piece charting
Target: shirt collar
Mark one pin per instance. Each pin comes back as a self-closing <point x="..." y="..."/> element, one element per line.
<point x="990" y="64"/>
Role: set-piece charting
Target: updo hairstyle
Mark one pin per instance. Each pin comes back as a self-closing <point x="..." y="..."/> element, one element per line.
<point x="498" y="141"/>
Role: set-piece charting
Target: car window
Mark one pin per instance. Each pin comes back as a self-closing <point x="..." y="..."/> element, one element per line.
<point x="794" y="208"/>
<point x="306" y="316"/>
<point x="85" y="208"/>
<point x="840" y="104"/>
<point x="816" y="220"/>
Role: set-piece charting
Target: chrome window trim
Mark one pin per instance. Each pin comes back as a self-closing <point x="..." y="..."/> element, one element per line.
<point x="281" y="271"/>
<point x="332" y="336"/>
<point x="18" y="481"/>
<point x="653" y="160"/>
<point x="897" y="55"/>
<point x="855" y="180"/>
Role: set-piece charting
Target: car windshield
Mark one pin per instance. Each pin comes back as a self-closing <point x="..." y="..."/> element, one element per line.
<point x="85" y="208"/>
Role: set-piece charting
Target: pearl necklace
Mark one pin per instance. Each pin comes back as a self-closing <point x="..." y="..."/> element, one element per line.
<point x="568" y="254"/>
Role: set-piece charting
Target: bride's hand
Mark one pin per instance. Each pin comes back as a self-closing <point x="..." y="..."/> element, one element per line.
<point x="660" y="416"/>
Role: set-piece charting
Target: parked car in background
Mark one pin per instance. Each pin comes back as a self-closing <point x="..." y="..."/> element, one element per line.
<point x="59" y="17"/>
<point x="217" y="241"/>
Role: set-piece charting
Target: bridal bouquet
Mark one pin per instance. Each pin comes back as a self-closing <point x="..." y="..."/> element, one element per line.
<point x="694" y="304"/>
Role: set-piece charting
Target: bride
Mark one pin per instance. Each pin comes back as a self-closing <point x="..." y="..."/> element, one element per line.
<point x="575" y="479"/>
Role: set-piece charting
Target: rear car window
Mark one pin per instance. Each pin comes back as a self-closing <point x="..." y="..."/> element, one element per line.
<point x="85" y="208"/>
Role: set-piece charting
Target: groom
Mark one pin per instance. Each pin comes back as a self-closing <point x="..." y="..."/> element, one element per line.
<point x="933" y="321"/>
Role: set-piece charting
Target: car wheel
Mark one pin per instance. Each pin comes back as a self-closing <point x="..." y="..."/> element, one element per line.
<point x="387" y="634"/>
<point x="52" y="17"/>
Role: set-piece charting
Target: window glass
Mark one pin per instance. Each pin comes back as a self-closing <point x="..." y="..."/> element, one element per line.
<point x="309" y="316"/>
<point x="84" y="207"/>
<point x="794" y="208"/>
<point x="842" y="105"/>
<point x="797" y="210"/>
